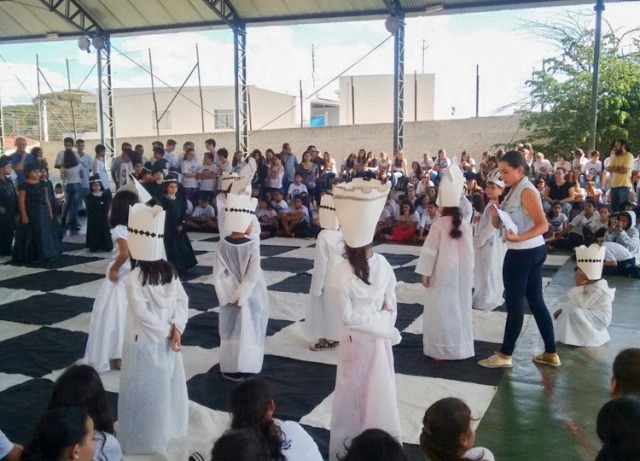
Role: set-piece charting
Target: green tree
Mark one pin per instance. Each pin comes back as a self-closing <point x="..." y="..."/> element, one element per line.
<point x="558" y="113"/>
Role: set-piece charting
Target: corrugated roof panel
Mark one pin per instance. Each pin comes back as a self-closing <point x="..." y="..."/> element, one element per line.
<point x="23" y="18"/>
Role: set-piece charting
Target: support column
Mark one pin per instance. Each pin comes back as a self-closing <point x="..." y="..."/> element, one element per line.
<point x="398" y="93"/>
<point x="599" y="8"/>
<point x="241" y="94"/>
<point x="1" y="128"/>
<point x="105" y="101"/>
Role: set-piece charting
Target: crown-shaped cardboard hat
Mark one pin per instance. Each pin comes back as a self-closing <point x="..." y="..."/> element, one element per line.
<point x="241" y="207"/>
<point x="328" y="216"/>
<point x="146" y="232"/>
<point x="451" y="187"/>
<point x="495" y="177"/>
<point x="227" y="180"/>
<point x="359" y="204"/>
<point x="590" y="260"/>
<point x="133" y="185"/>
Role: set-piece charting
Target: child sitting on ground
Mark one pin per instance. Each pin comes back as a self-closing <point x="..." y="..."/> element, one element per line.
<point x="203" y="217"/>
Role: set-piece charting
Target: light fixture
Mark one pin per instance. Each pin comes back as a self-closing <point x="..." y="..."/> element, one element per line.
<point x="434" y="9"/>
<point x="98" y="42"/>
<point x="84" y="44"/>
<point x="392" y="23"/>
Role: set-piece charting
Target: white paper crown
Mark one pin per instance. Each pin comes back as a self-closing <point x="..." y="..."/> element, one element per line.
<point x="227" y="180"/>
<point x="146" y="232"/>
<point x="242" y="183"/>
<point x="451" y="187"/>
<point x="328" y="217"/>
<point x="359" y="204"/>
<point x="590" y="260"/>
<point x="240" y="209"/>
<point x="495" y="177"/>
<point x="133" y="185"/>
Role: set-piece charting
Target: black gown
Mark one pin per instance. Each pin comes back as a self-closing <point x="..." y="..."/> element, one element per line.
<point x="98" y="232"/>
<point x="176" y="243"/>
<point x="38" y="240"/>
<point x="9" y="202"/>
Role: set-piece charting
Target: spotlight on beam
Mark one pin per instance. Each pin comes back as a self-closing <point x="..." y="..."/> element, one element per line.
<point x="434" y="9"/>
<point x="98" y="42"/>
<point x="392" y="23"/>
<point x="84" y="44"/>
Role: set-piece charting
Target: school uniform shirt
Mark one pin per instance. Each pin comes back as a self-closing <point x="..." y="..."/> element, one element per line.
<point x="266" y="215"/>
<point x="616" y="252"/>
<point x="189" y="166"/>
<point x="207" y="185"/>
<point x="107" y="447"/>
<point x="125" y="169"/>
<point x="280" y="206"/>
<point x="442" y="163"/>
<point x="87" y="162"/>
<point x="237" y="276"/>
<point x="100" y="169"/>
<point x="427" y="221"/>
<point x="207" y="211"/>
<point x="542" y="167"/>
<point x="557" y="222"/>
<point x="222" y="170"/>
<point x="304" y="209"/>
<point x="295" y="190"/>
<point x="171" y="158"/>
<point x="297" y="444"/>
<point x="592" y="169"/>
<point x="489" y="256"/>
<point x="586" y="315"/>
<point x="384" y="216"/>
<point x="426" y="166"/>
<point x="580" y="221"/>
<point x="447" y="329"/>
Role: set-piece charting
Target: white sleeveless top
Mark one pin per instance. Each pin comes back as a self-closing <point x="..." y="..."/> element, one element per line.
<point x="520" y="217"/>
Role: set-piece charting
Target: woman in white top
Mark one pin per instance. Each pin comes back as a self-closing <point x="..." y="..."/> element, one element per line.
<point x="275" y="174"/>
<point x="522" y="268"/>
<point x="71" y="175"/>
<point x="383" y="166"/>
<point x="330" y="170"/>
<point x="398" y="168"/>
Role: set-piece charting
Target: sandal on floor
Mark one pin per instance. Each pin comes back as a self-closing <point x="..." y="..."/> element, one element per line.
<point x="323" y="345"/>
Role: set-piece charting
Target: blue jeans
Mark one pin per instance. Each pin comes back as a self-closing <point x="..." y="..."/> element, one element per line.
<point x="618" y="195"/>
<point x="72" y="200"/>
<point x="522" y="276"/>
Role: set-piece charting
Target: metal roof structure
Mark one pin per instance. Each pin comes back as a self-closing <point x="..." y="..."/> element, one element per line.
<point x="24" y="20"/>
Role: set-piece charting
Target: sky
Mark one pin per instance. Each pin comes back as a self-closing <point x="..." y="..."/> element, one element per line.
<point x="279" y="57"/>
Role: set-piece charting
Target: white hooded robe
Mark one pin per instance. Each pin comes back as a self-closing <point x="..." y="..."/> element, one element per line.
<point x="365" y="393"/>
<point x="153" y="406"/>
<point x="237" y="276"/>
<point x="448" y="328"/>
<point x="489" y="256"/>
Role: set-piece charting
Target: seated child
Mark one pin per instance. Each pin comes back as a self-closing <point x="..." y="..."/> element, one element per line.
<point x="203" y="217"/>
<point x="295" y="221"/>
<point x="268" y="219"/>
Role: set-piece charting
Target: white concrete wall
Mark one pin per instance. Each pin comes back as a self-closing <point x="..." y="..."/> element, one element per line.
<point x="374" y="98"/>
<point x="475" y="135"/>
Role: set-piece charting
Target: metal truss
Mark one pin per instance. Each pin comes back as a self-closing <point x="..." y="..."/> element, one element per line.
<point x="2" y="147"/>
<point x="225" y="11"/>
<point x="74" y="13"/>
<point x="241" y="91"/>
<point x="105" y="101"/>
<point x="395" y="8"/>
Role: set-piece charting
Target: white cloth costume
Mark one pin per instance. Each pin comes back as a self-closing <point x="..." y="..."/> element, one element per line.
<point x="221" y="205"/>
<point x="106" y="332"/>
<point x="365" y="394"/>
<point x="297" y="444"/>
<point x="448" y="330"/>
<point x="237" y="276"/>
<point x="153" y="406"/>
<point x="489" y="256"/>
<point x="584" y="320"/>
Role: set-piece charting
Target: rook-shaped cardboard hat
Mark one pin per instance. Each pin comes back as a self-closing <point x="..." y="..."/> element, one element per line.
<point x="146" y="232"/>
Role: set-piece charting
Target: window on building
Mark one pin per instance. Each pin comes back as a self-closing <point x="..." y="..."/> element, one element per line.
<point x="164" y="124"/>
<point x="224" y="119"/>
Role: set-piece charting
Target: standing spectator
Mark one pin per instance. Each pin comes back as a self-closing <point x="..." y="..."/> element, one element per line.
<point x="37" y="154"/>
<point x="275" y="175"/>
<point x="224" y="165"/>
<point x="87" y="162"/>
<point x="115" y="165"/>
<point x="20" y="158"/>
<point x="592" y="169"/>
<point x="207" y="176"/>
<point x="237" y="162"/>
<point x="289" y="162"/>
<point x="577" y="165"/>
<point x="71" y="174"/>
<point x="309" y="173"/>
<point x="100" y="169"/>
<point x="68" y="143"/>
<point x="190" y="174"/>
<point x="8" y="207"/>
<point x="620" y="169"/>
<point x="170" y="147"/>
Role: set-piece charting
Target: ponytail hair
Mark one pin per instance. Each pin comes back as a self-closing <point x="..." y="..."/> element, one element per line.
<point x="455" y="233"/>
<point x="159" y="272"/>
<point x="56" y="431"/>
<point x="357" y="257"/>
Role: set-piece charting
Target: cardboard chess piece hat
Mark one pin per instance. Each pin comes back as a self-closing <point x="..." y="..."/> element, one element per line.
<point x="227" y="180"/>
<point x="133" y="185"/>
<point x="242" y="183"/>
<point x="146" y="232"/>
<point x="328" y="216"/>
<point x="590" y="260"/>
<point x="240" y="209"/>
<point x="495" y="177"/>
<point x="359" y="204"/>
<point x="451" y="187"/>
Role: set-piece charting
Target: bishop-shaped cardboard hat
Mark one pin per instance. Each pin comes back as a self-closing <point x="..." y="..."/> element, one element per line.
<point x="495" y="177"/>
<point x="359" y="204"/>
<point x="240" y="206"/>
<point x="328" y="216"/>
<point x="451" y="187"/>
<point x="590" y="260"/>
<point x="146" y="232"/>
<point x="133" y="185"/>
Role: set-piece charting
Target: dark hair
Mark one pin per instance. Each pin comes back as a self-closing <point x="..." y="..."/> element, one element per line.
<point x="222" y="152"/>
<point x="56" y="431"/>
<point x="453" y="211"/>
<point x="626" y="372"/>
<point x="158" y="144"/>
<point x="100" y="148"/>
<point x="68" y="140"/>
<point x="171" y="142"/>
<point x="125" y="145"/>
<point x="119" y="212"/>
<point x="374" y="445"/>
<point x="357" y="257"/>
<point x="249" y="403"/>
<point x="79" y="141"/>
<point x="240" y="445"/>
<point x="158" y="272"/>
<point x="514" y="159"/>
<point x="618" y="426"/>
<point x="590" y="200"/>
<point x="443" y="424"/>
<point x="209" y="155"/>
<point x="477" y="202"/>
<point x="80" y="386"/>
<point x="35" y="150"/>
<point x="553" y="205"/>
<point x="211" y="141"/>
<point x="69" y="160"/>
<point x="408" y="202"/>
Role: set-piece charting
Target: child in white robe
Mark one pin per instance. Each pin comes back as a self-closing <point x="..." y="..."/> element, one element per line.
<point x="489" y="252"/>
<point x="583" y="321"/>
<point x="241" y="290"/>
<point x="446" y="267"/>
<point x="321" y="319"/>
<point x="153" y="406"/>
<point x="363" y="286"/>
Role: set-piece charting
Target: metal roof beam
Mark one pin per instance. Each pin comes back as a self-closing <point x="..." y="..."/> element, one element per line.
<point x="395" y="8"/>
<point x="72" y="12"/>
<point x="225" y="11"/>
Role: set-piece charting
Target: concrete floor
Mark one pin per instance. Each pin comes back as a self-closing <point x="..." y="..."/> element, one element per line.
<point x="547" y="413"/>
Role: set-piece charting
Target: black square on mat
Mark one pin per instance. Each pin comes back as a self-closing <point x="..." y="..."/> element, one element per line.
<point x="49" y="281"/>
<point x="73" y="246"/>
<point x="61" y="261"/>
<point x="407" y="313"/>
<point x="195" y="272"/>
<point x="22" y="406"/>
<point x="407" y="275"/>
<point x="321" y="437"/>
<point x="202" y="296"/>
<point x="210" y="239"/>
<point x="297" y="386"/>
<point x="45" y="309"/>
<point x="298" y="283"/>
<point x="40" y="352"/>
<point x="295" y="265"/>
<point x="410" y="360"/>
<point x="398" y="259"/>
<point x="274" y="326"/>
<point x="273" y="250"/>
<point x="202" y="331"/>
